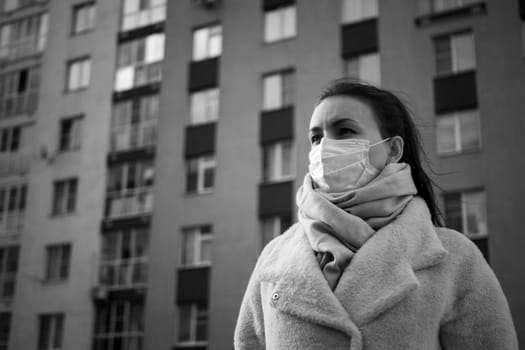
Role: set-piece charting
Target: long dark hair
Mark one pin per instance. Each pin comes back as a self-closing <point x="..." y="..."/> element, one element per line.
<point x="394" y="119"/>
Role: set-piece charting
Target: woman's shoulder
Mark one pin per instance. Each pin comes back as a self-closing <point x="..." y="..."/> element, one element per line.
<point x="277" y="243"/>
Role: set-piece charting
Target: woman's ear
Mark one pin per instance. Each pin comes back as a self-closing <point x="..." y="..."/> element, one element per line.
<point x="396" y="149"/>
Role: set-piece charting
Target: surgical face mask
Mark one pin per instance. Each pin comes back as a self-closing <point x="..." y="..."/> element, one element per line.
<point x="342" y="165"/>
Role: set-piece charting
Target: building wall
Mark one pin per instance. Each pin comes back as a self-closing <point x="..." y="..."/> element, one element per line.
<point x="407" y="67"/>
<point x="82" y="228"/>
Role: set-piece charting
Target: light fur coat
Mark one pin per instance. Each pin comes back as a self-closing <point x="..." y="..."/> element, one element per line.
<point x="410" y="286"/>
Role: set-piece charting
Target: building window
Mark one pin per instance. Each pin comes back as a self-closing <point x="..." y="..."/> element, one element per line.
<point x="207" y="42"/>
<point x="70" y="133"/>
<point x="140" y="13"/>
<point x="193" y="323"/>
<point x="12" y="207"/>
<point x="204" y="106"/>
<point x="65" y="196"/>
<point x="57" y="262"/>
<point x="19" y="92"/>
<point x="277" y="161"/>
<point x="467" y="212"/>
<point x="134" y="123"/>
<point x="8" y="269"/>
<point x="455" y="53"/>
<point x="196" y="246"/>
<point x="83" y="17"/>
<point x="124" y="258"/>
<point x="51" y="330"/>
<point x="130" y="189"/>
<point x="119" y="325"/>
<point x="444" y="5"/>
<point x="458" y="132"/>
<point x="358" y="10"/>
<point x="5" y="327"/>
<point x="364" y="67"/>
<point x="140" y="62"/>
<point x="24" y="37"/>
<point x="10" y="5"/>
<point x="278" y="90"/>
<point x="280" y="24"/>
<point x="200" y="174"/>
<point x="10" y="139"/>
<point x="78" y="74"/>
<point x="272" y="227"/>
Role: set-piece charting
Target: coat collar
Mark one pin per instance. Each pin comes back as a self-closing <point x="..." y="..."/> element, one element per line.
<point x="381" y="274"/>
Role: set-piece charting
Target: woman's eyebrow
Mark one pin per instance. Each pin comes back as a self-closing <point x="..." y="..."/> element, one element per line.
<point x="344" y="120"/>
<point x="315" y="129"/>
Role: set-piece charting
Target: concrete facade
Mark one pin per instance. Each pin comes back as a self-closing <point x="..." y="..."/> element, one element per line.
<point x="407" y="59"/>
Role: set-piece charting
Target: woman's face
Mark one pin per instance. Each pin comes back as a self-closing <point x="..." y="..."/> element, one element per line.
<point x="346" y="117"/>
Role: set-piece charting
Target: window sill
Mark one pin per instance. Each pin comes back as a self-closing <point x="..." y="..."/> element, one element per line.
<point x="198" y="194"/>
<point x="195" y="266"/>
<point x="456" y="73"/>
<point x="473" y="9"/>
<point x="81" y="33"/>
<point x="278" y="41"/>
<point x="54" y="281"/>
<point x="279" y="180"/>
<point x="61" y="215"/>
<point x="78" y="90"/>
<point x="191" y="344"/>
<point x="459" y="153"/>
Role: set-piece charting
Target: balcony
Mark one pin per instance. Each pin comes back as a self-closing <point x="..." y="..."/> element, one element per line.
<point x="130" y="202"/>
<point x="23" y="48"/>
<point x="139" y="75"/>
<point x="12" y="164"/>
<point x="121" y="274"/>
<point x="21" y="104"/>
<point x="11" y="222"/>
<point x="146" y="17"/>
<point x="132" y="137"/>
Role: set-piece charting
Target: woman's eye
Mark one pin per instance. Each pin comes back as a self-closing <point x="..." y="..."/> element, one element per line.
<point x="345" y="131"/>
<point x="315" y="139"/>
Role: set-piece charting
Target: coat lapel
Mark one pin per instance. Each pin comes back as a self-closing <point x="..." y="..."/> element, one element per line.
<point x="381" y="274"/>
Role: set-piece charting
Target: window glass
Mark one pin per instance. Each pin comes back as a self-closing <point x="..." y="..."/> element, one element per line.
<point x="154" y="48"/>
<point x="446" y="134"/>
<point x="470" y="131"/>
<point x="272" y="92"/>
<point x="369" y="68"/>
<point x="464" y="53"/>
<point x="289" y="22"/>
<point x="475" y="224"/>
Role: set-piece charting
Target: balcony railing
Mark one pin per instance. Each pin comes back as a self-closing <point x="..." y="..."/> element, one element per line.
<point x="131" y="137"/>
<point x="143" y="18"/>
<point x="11" y="222"/>
<point x="124" y="273"/>
<point x="23" y="48"/>
<point x="130" y="202"/>
<point x="138" y="75"/>
<point x="16" y="163"/>
<point x="24" y="103"/>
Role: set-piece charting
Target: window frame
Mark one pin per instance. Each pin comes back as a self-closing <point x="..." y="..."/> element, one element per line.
<point x="84" y="74"/>
<point x="361" y="16"/>
<point x="211" y="107"/>
<point x="75" y="138"/>
<point x="8" y="254"/>
<point x="194" y="309"/>
<point x="9" y="93"/>
<point x="118" y="262"/>
<point x="281" y="12"/>
<point x="199" y="237"/>
<point x="203" y="163"/>
<point x="55" y="326"/>
<point x="361" y="73"/>
<point x="24" y="46"/>
<point x="108" y="314"/>
<point x="208" y="40"/>
<point x="18" y="190"/>
<point x="59" y="270"/>
<point x="91" y="21"/>
<point x="287" y="87"/>
<point x="449" y="38"/>
<point x="277" y="149"/>
<point x="455" y="117"/>
<point x="63" y="208"/>
<point x="147" y="10"/>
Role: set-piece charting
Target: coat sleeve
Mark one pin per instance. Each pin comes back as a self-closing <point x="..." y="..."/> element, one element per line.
<point x="249" y="330"/>
<point x="480" y="316"/>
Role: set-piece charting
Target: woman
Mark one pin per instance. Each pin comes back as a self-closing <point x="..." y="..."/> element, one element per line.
<point x="366" y="266"/>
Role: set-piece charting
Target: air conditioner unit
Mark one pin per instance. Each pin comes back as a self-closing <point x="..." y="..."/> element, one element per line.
<point x="99" y="293"/>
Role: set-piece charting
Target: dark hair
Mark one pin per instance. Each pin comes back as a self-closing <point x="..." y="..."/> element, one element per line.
<point x="393" y="119"/>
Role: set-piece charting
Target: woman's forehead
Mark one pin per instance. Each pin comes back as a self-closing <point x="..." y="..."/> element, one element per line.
<point x="336" y="108"/>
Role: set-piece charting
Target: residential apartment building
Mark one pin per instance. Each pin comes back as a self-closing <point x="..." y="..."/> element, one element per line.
<point x="149" y="149"/>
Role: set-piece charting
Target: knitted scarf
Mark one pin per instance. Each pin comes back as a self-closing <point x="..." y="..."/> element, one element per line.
<point x="338" y="224"/>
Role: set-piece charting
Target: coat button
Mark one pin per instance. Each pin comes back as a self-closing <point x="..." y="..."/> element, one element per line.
<point x="275" y="296"/>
